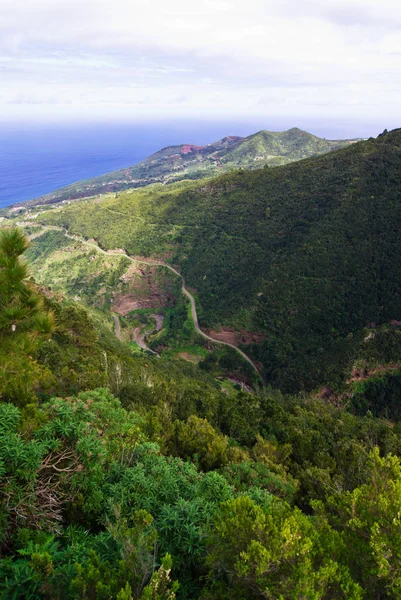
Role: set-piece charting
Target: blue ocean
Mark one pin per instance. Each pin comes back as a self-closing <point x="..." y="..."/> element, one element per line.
<point x="38" y="158"/>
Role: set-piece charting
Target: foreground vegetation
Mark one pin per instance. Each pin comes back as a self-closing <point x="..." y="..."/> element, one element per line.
<point x="140" y="478"/>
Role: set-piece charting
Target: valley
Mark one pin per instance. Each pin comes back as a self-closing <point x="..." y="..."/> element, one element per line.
<point x="277" y="254"/>
<point x="200" y="332"/>
<point x="156" y="264"/>
<point x="132" y="288"/>
<point x="192" y="371"/>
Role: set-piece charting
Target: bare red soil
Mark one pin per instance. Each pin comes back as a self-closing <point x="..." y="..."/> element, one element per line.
<point x="230" y="336"/>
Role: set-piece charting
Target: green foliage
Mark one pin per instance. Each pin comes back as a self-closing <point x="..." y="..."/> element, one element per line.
<point x="102" y="504"/>
<point x="380" y="345"/>
<point x="87" y="458"/>
<point x="369" y="520"/>
<point x="196" y="439"/>
<point x="178" y="327"/>
<point x="59" y="475"/>
<point x="160" y="586"/>
<point x="23" y="321"/>
<point x="246" y="475"/>
<point x="275" y="553"/>
<point x="380" y="395"/>
<point x="100" y="579"/>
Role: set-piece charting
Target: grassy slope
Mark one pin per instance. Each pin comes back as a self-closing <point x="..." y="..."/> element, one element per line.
<point x="72" y="270"/>
<point x="75" y="270"/>
<point x="309" y="253"/>
<point x="84" y="353"/>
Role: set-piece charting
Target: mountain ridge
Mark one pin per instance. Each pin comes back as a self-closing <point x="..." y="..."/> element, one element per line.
<point x="192" y="161"/>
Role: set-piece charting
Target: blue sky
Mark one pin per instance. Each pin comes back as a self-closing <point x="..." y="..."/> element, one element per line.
<point x="148" y="59"/>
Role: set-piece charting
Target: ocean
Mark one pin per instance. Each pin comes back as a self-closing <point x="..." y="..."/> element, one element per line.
<point x="38" y="158"/>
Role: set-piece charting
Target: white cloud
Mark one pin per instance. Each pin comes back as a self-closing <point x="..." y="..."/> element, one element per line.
<point x="335" y="57"/>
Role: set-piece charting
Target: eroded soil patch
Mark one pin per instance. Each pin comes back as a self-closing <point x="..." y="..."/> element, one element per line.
<point x="230" y="336"/>
<point x="126" y="304"/>
<point x="143" y="287"/>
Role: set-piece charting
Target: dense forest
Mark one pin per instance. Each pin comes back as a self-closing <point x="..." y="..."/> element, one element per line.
<point x="127" y="477"/>
<point x="307" y="254"/>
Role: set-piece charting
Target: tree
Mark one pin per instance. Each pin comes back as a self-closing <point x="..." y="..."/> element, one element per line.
<point x="370" y="518"/>
<point x="161" y="587"/>
<point x="273" y="553"/>
<point x="23" y="320"/>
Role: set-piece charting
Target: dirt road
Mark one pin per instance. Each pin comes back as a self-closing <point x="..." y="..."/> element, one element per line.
<point x="177" y="273"/>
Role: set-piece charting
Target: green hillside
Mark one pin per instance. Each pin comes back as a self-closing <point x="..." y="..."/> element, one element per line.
<point x="275" y="148"/>
<point x="307" y="254"/>
<point x="188" y="161"/>
<point x="163" y="484"/>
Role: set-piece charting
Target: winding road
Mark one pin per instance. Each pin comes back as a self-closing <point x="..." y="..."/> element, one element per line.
<point x="156" y="264"/>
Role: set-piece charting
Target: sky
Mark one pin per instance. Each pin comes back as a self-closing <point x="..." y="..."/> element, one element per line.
<point x="210" y="59"/>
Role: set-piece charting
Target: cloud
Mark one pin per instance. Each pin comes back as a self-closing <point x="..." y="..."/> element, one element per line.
<point x="25" y="99"/>
<point x="337" y="56"/>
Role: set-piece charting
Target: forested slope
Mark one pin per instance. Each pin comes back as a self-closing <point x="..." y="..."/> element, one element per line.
<point x="171" y="488"/>
<point x="309" y="253"/>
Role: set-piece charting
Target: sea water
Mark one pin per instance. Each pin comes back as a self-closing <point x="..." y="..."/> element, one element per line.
<point x="36" y="159"/>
